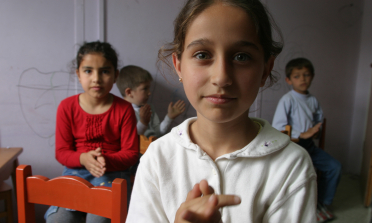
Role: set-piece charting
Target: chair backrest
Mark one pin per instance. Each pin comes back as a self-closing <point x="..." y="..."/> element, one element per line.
<point x="69" y="192"/>
<point x="322" y="134"/>
<point x="144" y="142"/>
<point x="288" y="131"/>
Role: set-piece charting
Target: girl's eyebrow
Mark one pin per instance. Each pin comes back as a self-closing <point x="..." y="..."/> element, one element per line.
<point x="87" y="67"/>
<point x="248" y="44"/>
<point x="204" y="42"/>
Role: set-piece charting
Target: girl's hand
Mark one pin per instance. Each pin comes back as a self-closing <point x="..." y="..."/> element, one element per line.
<point x="198" y="208"/>
<point x="145" y="114"/>
<point x="176" y="109"/>
<point x="89" y="161"/>
<point x="101" y="158"/>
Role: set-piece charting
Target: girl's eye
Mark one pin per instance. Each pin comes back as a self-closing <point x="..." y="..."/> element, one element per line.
<point x="105" y="71"/>
<point x="201" y="56"/>
<point x="241" y="57"/>
<point x="87" y="71"/>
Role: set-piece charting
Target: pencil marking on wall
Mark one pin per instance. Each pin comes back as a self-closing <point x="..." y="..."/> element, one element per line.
<point x="39" y="96"/>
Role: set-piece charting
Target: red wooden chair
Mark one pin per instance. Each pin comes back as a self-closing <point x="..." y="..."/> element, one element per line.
<point x="69" y="192"/>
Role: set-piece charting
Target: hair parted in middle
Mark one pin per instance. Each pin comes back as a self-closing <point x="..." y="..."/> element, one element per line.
<point x="104" y="48"/>
<point x="254" y="8"/>
<point x="298" y="63"/>
<point x="132" y="76"/>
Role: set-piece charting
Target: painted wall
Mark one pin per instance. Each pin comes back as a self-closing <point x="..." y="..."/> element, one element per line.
<point x="39" y="39"/>
<point x="362" y="92"/>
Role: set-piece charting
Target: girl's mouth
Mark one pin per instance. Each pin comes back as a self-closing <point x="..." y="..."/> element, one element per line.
<point x="219" y="99"/>
<point x="96" y="88"/>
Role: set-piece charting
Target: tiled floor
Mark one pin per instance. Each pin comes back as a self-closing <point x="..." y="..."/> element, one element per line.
<point x="348" y="203"/>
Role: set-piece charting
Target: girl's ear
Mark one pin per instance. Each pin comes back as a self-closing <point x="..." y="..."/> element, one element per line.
<point x="177" y="64"/>
<point x="78" y="74"/>
<point x="267" y="71"/>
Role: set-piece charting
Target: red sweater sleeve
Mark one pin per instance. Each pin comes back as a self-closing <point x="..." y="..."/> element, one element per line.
<point x="129" y="152"/>
<point x="66" y="152"/>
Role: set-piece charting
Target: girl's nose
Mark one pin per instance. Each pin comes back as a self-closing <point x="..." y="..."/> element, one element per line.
<point x="96" y="77"/>
<point x="221" y="72"/>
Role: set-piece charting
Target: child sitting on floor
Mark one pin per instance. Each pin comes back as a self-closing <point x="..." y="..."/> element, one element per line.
<point x="134" y="85"/>
<point x="302" y="111"/>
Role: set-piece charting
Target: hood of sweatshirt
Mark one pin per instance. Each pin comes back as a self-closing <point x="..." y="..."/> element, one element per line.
<point x="269" y="140"/>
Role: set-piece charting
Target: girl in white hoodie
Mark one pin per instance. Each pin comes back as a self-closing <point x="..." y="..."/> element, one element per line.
<point x="223" y="166"/>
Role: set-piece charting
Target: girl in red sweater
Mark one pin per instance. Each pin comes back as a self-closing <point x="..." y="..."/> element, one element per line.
<point x="96" y="136"/>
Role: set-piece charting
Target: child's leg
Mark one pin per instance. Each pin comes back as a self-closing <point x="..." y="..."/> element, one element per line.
<point x="107" y="178"/>
<point x="62" y="215"/>
<point x="329" y="178"/>
<point x="92" y="218"/>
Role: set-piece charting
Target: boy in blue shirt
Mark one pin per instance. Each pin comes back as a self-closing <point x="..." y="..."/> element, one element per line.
<point x="302" y="111"/>
<point x="134" y="84"/>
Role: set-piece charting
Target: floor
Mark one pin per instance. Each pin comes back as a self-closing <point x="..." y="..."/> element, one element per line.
<point x="348" y="203"/>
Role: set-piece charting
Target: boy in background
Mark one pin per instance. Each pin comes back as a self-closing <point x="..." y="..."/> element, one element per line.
<point x="302" y="111"/>
<point x="134" y="85"/>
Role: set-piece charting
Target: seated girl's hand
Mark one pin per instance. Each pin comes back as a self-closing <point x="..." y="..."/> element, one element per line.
<point x="198" y="208"/>
<point x="176" y="109"/>
<point x="90" y="162"/>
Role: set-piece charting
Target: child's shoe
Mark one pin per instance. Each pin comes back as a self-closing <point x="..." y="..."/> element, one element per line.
<point x="320" y="216"/>
<point x="323" y="208"/>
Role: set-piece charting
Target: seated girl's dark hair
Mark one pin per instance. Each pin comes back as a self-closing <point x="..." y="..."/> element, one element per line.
<point x="298" y="63"/>
<point x="254" y="8"/>
<point x="97" y="47"/>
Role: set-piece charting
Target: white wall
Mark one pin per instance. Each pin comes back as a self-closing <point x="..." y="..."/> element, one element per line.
<point x="362" y="92"/>
<point x="39" y="39"/>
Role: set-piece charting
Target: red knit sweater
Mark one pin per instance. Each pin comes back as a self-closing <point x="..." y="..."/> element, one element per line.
<point x="114" y="131"/>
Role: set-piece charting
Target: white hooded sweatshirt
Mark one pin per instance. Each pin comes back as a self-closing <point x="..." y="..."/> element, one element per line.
<point x="273" y="176"/>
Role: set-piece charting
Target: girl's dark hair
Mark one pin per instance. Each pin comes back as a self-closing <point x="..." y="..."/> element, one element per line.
<point x="97" y="47"/>
<point x="254" y="8"/>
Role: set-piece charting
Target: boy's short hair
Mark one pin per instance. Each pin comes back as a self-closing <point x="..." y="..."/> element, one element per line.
<point x="298" y="63"/>
<point x="131" y="77"/>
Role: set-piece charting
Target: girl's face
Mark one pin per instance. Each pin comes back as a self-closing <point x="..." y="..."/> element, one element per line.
<point x="96" y="75"/>
<point x="222" y="66"/>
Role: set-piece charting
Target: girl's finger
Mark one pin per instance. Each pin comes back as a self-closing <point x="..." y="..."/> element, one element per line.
<point x="205" y="188"/>
<point x="227" y="200"/>
<point x="194" y="193"/>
